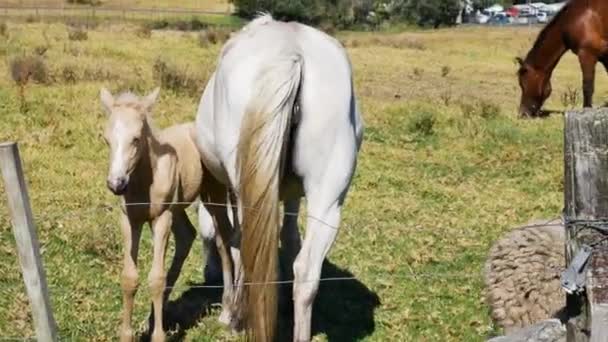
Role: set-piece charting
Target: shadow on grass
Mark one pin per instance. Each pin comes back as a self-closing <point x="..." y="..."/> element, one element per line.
<point x="343" y="310"/>
<point x="186" y="311"/>
<point x="544" y="113"/>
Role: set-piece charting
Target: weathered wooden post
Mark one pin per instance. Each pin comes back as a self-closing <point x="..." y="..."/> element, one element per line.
<point x="586" y="216"/>
<point x="27" y="242"/>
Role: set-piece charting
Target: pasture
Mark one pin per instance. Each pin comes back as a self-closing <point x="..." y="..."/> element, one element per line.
<point x="446" y="167"/>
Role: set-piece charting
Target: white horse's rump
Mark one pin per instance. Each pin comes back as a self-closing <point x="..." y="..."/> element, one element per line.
<point x="279" y="118"/>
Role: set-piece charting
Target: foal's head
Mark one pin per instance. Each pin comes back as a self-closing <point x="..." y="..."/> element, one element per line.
<point x="125" y="134"/>
<point x="535" y="88"/>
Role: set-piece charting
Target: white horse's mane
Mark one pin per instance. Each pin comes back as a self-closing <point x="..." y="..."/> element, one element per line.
<point x="261" y="18"/>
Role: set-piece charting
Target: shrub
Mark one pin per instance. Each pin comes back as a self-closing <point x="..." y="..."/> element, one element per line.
<point x="489" y="110"/>
<point x="3" y="29"/>
<point x="192" y="24"/>
<point x="30" y="67"/>
<point x="446" y="97"/>
<point x="361" y="13"/>
<point x="570" y="97"/>
<point x="445" y="71"/>
<point x="88" y="23"/>
<point x="69" y="74"/>
<point x="434" y="13"/>
<point x="144" y="31"/>
<point x="177" y="78"/>
<point x="31" y="19"/>
<point x="78" y="34"/>
<point x="41" y="50"/>
<point x="480" y="108"/>
<point x="422" y="123"/>
<point x="213" y="36"/>
<point x="417" y="73"/>
<point x="26" y="68"/>
<point x="85" y="2"/>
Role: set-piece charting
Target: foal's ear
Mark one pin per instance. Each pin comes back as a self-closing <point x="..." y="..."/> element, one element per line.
<point x="107" y="100"/>
<point x="151" y="98"/>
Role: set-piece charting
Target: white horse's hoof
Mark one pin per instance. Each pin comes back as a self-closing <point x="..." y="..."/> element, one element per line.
<point x="225" y="318"/>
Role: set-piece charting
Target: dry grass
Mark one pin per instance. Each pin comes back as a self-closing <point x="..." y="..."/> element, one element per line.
<point x="437" y="181"/>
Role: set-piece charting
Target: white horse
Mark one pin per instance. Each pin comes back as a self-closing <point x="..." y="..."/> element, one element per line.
<point x="278" y="120"/>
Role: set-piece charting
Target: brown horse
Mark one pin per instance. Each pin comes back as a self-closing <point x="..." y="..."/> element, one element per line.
<point x="582" y="27"/>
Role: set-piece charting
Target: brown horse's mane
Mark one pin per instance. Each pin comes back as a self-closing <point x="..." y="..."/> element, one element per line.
<point x="545" y="31"/>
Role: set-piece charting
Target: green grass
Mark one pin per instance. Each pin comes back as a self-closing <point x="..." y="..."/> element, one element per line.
<point x="423" y="201"/>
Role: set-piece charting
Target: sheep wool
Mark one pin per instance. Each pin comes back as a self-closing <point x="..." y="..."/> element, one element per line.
<point x="522" y="275"/>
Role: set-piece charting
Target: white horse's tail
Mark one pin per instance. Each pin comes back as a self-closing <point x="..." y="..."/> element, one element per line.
<point x="260" y="155"/>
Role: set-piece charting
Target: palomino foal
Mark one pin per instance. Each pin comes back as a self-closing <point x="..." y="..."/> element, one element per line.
<point x="157" y="174"/>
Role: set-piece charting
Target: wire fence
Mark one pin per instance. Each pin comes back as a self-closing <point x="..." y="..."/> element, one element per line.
<point x="117" y="10"/>
<point x="411" y="275"/>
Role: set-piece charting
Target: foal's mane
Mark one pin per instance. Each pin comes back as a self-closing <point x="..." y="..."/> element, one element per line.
<point x="131" y="100"/>
<point x="127" y="99"/>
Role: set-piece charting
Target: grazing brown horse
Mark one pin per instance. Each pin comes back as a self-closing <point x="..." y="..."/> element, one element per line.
<point x="582" y="27"/>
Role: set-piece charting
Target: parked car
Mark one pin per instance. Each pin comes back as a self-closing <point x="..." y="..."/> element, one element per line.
<point x="499" y="20"/>
<point x="542" y="17"/>
<point x="481" y="18"/>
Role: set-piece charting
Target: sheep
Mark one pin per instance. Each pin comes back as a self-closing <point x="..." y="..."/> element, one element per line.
<point x="522" y="275"/>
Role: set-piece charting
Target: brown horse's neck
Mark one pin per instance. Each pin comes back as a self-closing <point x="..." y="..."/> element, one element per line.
<point x="548" y="48"/>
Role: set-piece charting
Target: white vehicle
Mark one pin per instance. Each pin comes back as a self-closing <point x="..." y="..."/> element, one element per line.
<point x="481" y="18"/>
<point x="542" y="17"/>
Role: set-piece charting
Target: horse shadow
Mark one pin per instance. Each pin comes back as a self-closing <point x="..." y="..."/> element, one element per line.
<point x="343" y="309"/>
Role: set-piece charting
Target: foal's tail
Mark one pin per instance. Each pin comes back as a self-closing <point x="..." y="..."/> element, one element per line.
<point x="260" y="158"/>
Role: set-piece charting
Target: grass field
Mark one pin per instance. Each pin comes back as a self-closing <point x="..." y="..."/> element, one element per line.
<point x="446" y="167"/>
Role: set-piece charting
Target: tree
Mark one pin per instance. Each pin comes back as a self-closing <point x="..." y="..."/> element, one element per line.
<point x="433" y="13"/>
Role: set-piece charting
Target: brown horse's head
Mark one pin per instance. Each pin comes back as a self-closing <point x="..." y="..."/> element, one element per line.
<point x="535" y="88"/>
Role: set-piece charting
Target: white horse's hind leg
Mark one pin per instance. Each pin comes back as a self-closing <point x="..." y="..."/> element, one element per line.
<point x="290" y="235"/>
<point x="213" y="266"/>
<point x="321" y="230"/>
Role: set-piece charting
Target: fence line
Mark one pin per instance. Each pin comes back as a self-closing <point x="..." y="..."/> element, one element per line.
<point x="409" y="276"/>
<point x="110" y="9"/>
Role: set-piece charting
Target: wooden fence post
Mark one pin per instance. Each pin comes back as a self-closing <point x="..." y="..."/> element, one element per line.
<point x="27" y="242"/>
<point x="586" y="213"/>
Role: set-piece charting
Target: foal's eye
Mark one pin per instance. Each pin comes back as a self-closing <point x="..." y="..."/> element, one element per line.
<point x="135" y="141"/>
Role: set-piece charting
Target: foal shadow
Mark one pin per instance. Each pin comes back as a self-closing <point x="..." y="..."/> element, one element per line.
<point x="186" y="311"/>
<point x="343" y="309"/>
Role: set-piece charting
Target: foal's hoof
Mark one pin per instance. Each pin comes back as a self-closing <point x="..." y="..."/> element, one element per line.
<point x="158" y="336"/>
<point x="127" y="336"/>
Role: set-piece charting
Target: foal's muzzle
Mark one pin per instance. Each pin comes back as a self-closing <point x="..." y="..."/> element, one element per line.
<point x="118" y="186"/>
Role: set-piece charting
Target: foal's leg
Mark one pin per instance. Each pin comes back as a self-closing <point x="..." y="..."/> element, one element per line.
<point x="157" y="277"/>
<point x="131" y="232"/>
<point x="588" y="60"/>
<point x="321" y="230"/>
<point x="184" y="234"/>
